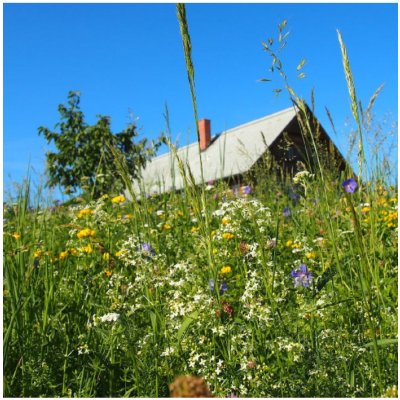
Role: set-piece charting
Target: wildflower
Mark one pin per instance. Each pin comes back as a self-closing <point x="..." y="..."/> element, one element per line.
<point x="87" y="249"/>
<point x="227" y="308"/>
<point x="84" y="212"/>
<point x="311" y="254"/>
<point x="227" y="235"/>
<point x="194" y="229"/>
<point x="118" y="199"/>
<point x="120" y="253"/>
<point x="166" y="227"/>
<point x="111" y="317"/>
<point x="106" y="256"/>
<point x="271" y="243"/>
<point x="74" y="252"/>
<point x="226" y="270"/>
<point x="245" y="189"/>
<point x="365" y="209"/>
<point x="244" y="247"/>
<point x="349" y="185"/>
<point x="302" y="276"/>
<point x="86" y="233"/>
<point x="189" y="386"/>
<point x="225" y="221"/>
<point x="35" y="262"/>
<point x="147" y="250"/>
<point x="223" y="288"/>
<point x="289" y="243"/>
<point x="108" y="273"/>
<point x="16" y="235"/>
<point x="286" y="212"/>
<point x="63" y="255"/>
<point x="37" y="253"/>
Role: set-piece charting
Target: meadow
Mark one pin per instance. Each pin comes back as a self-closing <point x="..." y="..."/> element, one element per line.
<point x="276" y="288"/>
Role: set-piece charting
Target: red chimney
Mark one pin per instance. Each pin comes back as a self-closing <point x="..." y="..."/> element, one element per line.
<point x="204" y="133"/>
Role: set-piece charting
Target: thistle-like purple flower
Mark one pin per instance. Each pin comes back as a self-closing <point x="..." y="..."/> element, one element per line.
<point x="302" y="276"/>
<point x="349" y="185"/>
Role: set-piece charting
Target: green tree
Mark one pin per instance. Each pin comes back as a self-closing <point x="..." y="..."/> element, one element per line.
<point x="83" y="159"/>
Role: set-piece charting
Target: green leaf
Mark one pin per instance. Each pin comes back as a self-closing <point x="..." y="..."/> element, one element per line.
<point x="185" y="324"/>
<point x="382" y="342"/>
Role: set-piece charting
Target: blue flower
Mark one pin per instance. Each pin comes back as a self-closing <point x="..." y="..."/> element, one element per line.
<point x="147" y="250"/>
<point x="349" y="185"/>
<point x="302" y="276"/>
<point x="286" y="212"/>
<point x="223" y="288"/>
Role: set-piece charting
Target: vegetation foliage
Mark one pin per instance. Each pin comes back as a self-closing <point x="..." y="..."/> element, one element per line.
<point x="285" y="289"/>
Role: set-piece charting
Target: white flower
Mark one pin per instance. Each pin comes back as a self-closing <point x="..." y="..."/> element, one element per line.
<point x="111" y="317"/>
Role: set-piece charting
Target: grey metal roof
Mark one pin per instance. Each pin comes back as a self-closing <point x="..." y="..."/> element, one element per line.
<point x="233" y="152"/>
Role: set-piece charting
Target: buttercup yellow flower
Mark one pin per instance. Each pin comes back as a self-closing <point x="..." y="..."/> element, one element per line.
<point x="226" y="270"/>
<point x="16" y="235"/>
<point x="118" y="199"/>
<point x="120" y="253"/>
<point x="108" y="273"/>
<point x="289" y="243"/>
<point x="87" y="249"/>
<point x="166" y="227"/>
<point x="86" y="233"/>
<point x="365" y="209"/>
<point x="37" y="253"/>
<point x="84" y="212"/>
<point x="63" y="255"/>
<point x="225" y="221"/>
<point x="74" y="252"/>
<point x="228" y="235"/>
<point x="311" y="255"/>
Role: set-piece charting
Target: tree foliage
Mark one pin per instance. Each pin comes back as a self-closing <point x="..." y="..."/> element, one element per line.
<point x="83" y="159"/>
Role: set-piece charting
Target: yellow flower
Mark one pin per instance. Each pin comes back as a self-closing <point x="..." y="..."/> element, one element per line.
<point x="120" y="253"/>
<point x="289" y="243"/>
<point x="74" y="252"/>
<point x="106" y="256"/>
<point x="225" y="221"/>
<point x="228" y="235"/>
<point x="16" y="235"/>
<point x="393" y="199"/>
<point x="84" y="212"/>
<point x="311" y="255"/>
<point x="37" y="253"/>
<point x="63" y="255"/>
<point x="166" y="227"/>
<point x="226" y="270"/>
<point x="195" y="229"/>
<point x="108" y="273"/>
<point x="118" y="199"/>
<point x="87" y="249"/>
<point x="86" y="233"/>
<point x="365" y="209"/>
<point x="179" y="213"/>
<point x="215" y="251"/>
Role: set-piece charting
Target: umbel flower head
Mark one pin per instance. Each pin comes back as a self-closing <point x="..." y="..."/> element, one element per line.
<point x="349" y="185"/>
<point x="189" y="386"/>
<point x="302" y="276"/>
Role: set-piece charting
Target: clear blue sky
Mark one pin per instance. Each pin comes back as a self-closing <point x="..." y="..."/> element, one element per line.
<point x="128" y="58"/>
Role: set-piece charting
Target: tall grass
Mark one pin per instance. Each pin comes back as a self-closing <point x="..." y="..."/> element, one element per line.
<point x="117" y="298"/>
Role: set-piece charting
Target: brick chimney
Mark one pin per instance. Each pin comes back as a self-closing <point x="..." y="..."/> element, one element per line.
<point x="204" y="133"/>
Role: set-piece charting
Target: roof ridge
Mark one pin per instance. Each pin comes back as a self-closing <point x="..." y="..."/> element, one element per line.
<point x="223" y="133"/>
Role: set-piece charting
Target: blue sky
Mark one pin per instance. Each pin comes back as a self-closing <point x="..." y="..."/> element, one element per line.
<point x="127" y="59"/>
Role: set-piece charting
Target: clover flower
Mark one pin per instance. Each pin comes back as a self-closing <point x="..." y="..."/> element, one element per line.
<point x="349" y="185"/>
<point x="302" y="276"/>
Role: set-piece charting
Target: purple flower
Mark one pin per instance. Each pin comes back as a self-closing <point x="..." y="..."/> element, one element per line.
<point x="245" y="189"/>
<point x="286" y="212"/>
<point x="147" y="249"/>
<point x="223" y="288"/>
<point x="302" y="276"/>
<point x="349" y="185"/>
<point x="293" y="195"/>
